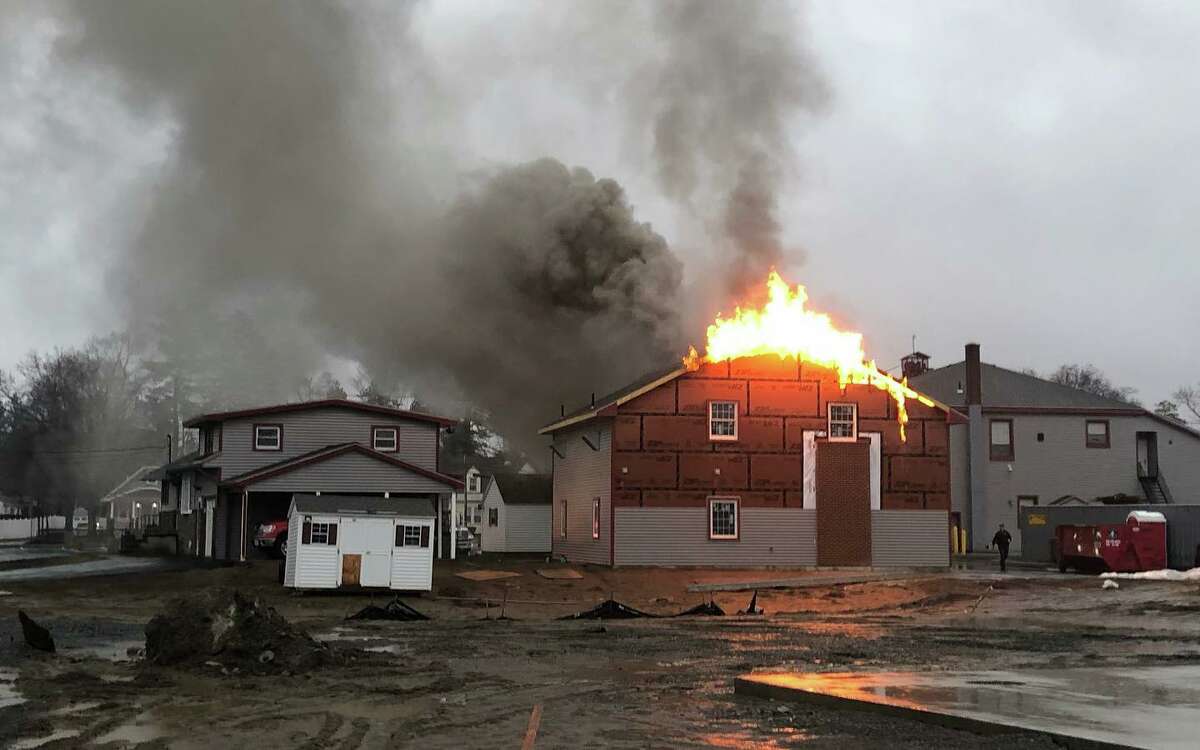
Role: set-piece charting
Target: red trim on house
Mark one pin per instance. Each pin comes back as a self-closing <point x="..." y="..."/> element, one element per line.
<point x="309" y="405"/>
<point x="284" y="467"/>
<point x="393" y="428"/>
<point x="254" y="437"/>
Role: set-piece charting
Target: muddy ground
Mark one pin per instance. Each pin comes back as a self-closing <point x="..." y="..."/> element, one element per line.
<point x="460" y="680"/>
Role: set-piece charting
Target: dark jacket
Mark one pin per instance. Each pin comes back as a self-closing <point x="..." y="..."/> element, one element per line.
<point x="1002" y="539"/>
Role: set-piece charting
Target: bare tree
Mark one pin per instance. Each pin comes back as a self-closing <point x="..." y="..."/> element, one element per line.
<point x="1089" y="378"/>
<point x="1169" y="409"/>
<point x="1189" y="396"/>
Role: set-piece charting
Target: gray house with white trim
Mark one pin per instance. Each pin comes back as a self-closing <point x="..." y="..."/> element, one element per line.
<point x="251" y="462"/>
<point x="1029" y="441"/>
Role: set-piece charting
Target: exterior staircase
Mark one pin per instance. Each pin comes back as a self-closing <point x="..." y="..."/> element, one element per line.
<point x="1155" y="487"/>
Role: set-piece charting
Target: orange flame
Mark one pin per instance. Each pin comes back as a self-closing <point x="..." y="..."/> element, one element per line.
<point x="784" y="327"/>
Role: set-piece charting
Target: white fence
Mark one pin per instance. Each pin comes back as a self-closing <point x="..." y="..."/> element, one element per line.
<point x="27" y="528"/>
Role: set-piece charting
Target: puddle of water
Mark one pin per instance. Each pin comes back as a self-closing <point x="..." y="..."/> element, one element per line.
<point x="9" y="695"/>
<point x="132" y="734"/>
<point x="75" y="708"/>
<point x="1146" y="706"/>
<point x="112" y="651"/>
<point x="28" y="743"/>
<point x="391" y="648"/>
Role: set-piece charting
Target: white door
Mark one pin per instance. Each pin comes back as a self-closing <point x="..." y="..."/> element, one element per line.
<point x="373" y="539"/>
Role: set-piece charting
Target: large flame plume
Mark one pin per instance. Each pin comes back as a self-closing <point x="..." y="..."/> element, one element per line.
<point x="784" y="327"/>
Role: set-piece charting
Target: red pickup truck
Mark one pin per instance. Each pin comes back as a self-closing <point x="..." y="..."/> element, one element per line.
<point x="272" y="536"/>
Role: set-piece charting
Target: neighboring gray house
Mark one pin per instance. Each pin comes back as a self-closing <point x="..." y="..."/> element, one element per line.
<point x="251" y="462"/>
<point x="516" y="513"/>
<point x="1029" y="441"/>
<point x="474" y="471"/>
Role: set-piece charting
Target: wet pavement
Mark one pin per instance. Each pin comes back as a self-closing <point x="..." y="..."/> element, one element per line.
<point x="105" y="566"/>
<point x="14" y="553"/>
<point x="1145" y="707"/>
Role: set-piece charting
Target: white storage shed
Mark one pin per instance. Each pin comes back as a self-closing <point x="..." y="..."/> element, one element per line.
<point x="516" y="513"/>
<point x="356" y="541"/>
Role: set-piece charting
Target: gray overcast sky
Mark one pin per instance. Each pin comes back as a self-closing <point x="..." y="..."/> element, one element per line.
<point x="1020" y="174"/>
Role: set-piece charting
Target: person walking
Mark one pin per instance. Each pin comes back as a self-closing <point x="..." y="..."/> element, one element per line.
<point x="1001" y="541"/>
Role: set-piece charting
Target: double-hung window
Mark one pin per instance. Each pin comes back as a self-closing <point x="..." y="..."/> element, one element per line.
<point x="268" y="437"/>
<point x="319" y="533"/>
<point x="843" y="422"/>
<point x="723" y="420"/>
<point x="412" y="536"/>
<point x="722" y="518"/>
<point x="1000" y="440"/>
<point x="1096" y="433"/>
<point x="384" y="439"/>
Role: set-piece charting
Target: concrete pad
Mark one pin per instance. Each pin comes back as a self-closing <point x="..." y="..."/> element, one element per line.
<point x="559" y="573"/>
<point x="1145" y="707"/>
<point x="487" y="575"/>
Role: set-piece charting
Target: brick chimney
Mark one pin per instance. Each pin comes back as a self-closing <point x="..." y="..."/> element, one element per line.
<point x="974" y="379"/>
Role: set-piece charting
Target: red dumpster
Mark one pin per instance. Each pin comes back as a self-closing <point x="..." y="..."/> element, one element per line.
<point x="1138" y="544"/>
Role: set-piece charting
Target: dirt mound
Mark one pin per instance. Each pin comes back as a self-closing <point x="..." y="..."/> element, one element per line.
<point x="224" y="628"/>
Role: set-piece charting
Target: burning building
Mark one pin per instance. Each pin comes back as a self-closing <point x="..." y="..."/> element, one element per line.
<point x="781" y="445"/>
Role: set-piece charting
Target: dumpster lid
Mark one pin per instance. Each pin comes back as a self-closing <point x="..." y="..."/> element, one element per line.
<point x="1146" y="516"/>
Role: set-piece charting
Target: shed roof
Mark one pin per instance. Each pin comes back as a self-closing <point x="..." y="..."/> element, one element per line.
<point x="335" y="403"/>
<point x="524" y="489"/>
<point x="413" y="507"/>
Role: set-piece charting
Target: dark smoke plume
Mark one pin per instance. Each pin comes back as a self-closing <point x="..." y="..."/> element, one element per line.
<point x="313" y="183"/>
<point x="731" y="81"/>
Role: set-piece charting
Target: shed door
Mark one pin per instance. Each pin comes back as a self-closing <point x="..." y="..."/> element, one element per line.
<point x="371" y="540"/>
<point x="844" y="503"/>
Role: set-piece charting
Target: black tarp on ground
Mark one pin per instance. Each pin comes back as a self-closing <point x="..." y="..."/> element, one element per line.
<point x="612" y="609"/>
<point x="393" y="610"/>
<point x="35" y="635"/>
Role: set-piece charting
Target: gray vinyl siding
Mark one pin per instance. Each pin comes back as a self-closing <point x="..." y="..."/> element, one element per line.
<point x="960" y="472"/>
<point x="1063" y="465"/>
<point x="785" y="537"/>
<point x="910" y="538"/>
<point x="306" y="431"/>
<point x="526" y="528"/>
<point x="1183" y="528"/>
<point x="580" y="475"/>
<point x="347" y="474"/>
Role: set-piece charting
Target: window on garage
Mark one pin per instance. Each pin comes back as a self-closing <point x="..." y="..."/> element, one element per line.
<point x="384" y="439"/>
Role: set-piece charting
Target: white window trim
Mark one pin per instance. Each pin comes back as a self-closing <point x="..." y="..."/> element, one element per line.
<point x="829" y="422"/>
<point x="312" y="532"/>
<point x="375" y="432"/>
<point x="562" y="523"/>
<point x="278" y="437"/>
<point x="595" y="518"/>
<point x="415" y="531"/>
<point x="723" y="438"/>
<point x="737" y="517"/>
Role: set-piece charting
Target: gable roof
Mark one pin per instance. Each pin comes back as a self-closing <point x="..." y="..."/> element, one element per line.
<point x="193" y="460"/>
<point x="607" y="406"/>
<point x="414" y="507"/>
<point x="1004" y="387"/>
<point x="1008" y="390"/>
<point x="135" y="482"/>
<point x="324" y="454"/>
<point x="524" y="489"/>
<point x="335" y="403"/>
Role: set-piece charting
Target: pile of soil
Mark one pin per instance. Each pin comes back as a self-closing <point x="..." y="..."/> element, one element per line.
<point x="225" y="628"/>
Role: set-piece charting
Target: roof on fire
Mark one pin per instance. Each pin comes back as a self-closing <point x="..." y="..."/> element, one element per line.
<point x="333" y="403"/>
<point x="607" y="405"/>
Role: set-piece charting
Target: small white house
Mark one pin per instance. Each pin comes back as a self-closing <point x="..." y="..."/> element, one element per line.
<point x="516" y="513"/>
<point x="357" y="541"/>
